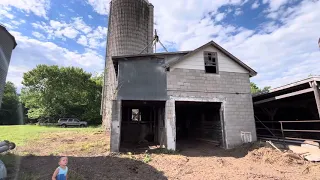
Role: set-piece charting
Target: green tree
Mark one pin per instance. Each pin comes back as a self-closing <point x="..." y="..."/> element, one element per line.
<point x="53" y="92"/>
<point x="256" y="89"/>
<point x="10" y="108"/>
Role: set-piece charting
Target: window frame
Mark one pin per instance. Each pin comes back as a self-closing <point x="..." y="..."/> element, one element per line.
<point x="206" y="55"/>
<point x="138" y="115"/>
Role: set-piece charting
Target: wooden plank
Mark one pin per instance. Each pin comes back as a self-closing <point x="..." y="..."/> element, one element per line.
<point x="274" y="146"/>
<point x="285" y="96"/>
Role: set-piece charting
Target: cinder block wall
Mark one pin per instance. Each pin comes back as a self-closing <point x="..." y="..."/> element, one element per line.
<point x="233" y="89"/>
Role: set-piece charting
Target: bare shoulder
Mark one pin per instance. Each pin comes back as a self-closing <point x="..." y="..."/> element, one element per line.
<point x="57" y="170"/>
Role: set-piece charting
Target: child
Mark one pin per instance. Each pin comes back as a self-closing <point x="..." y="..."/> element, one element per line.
<point x="61" y="172"/>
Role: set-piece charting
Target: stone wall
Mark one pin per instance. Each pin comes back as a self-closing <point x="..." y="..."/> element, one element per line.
<point x="232" y="89"/>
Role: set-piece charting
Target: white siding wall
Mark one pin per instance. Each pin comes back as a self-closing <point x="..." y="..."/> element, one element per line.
<point x="196" y="61"/>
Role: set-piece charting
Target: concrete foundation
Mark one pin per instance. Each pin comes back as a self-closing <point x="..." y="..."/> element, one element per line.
<point x="170" y="125"/>
<point x="115" y="127"/>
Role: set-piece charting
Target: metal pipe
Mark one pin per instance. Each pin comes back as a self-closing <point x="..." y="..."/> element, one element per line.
<point x="292" y="130"/>
<point x="299" y="121"/>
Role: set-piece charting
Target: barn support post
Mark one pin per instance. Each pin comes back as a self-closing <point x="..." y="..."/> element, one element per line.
<point x="315" y="87"/>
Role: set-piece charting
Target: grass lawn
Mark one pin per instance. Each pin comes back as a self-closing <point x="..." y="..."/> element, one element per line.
<point x="23" y="134"/>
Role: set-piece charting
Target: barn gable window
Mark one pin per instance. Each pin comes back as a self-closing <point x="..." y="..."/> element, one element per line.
<point x="211" y="62"/>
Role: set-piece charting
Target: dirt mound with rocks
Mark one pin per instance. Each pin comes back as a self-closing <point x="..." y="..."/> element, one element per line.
<point x="271" y="156"/>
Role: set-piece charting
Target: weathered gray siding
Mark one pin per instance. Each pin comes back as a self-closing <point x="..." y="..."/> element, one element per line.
<point x="232" y="89"/>
<point x="6" y="46"/>
<point x="130" y="29"/>
<point x="142" y="79"/>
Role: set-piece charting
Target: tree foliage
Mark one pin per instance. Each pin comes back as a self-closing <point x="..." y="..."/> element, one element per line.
<point x="256" y="89"/>
<point x="10" y="108"/>
<point x="54" y="92"/>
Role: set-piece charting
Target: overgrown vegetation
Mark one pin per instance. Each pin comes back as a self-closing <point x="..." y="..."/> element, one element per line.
<point x="52" y="92"/>
<point x="255" y="89"/>
<point x="11" y="111"/>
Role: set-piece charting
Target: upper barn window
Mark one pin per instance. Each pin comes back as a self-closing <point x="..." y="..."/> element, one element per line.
<point x="211" y="62"/>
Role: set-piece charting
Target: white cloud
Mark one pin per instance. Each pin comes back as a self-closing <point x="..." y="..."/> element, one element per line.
<point x="289" y="52"/>
<point x="220" y="16"/>
<point x="38" y="35"/>
<point x="56" y="24"/>
<point x="255" y="5"/>
<point x="38" y="7"/>
<point x="100" y="6"/>
<point x="31" y="52"/>
<point x="80" y="25"/>
<point x="90" y="17"/>
<point x="279" y="52"/>
<point x="17" y="23"/>
<point x="6" y="13"/>
<point x="62" y="29"/>
<point x="175" y="24"/>
<point x="15" y="75"/>
<point x="68" y="32"/>
<point x="275" y="4"/>
<point x="95" y="39"/>
<point x="238" y="12"/>
<point x="83" y="40"/>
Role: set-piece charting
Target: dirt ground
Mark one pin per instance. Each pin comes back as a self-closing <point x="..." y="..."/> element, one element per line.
<point x="89" y="159"/>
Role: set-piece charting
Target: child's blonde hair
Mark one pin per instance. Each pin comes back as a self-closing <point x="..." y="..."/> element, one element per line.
<point x="62" y="158"/>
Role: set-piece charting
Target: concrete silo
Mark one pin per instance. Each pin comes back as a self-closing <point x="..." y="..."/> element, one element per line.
<point x="130" y="31"/>
<point x="7" y="44"/>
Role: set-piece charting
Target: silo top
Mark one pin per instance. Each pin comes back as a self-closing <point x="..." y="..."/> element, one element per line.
<point x="12" y="37"/>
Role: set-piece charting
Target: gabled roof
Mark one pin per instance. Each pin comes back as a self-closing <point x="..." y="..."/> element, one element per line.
<point x="212" y="43"/>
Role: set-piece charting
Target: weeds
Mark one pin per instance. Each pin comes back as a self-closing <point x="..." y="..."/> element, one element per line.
<point x="147" y="158"/>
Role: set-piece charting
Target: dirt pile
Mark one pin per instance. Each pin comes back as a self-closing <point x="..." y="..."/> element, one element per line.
<point x="271" y="156"/>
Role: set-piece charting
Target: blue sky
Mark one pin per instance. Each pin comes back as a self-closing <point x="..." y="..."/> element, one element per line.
<point x="277" y="38"/>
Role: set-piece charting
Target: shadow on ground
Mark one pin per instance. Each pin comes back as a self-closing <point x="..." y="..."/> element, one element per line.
<point x="80" y="168"/>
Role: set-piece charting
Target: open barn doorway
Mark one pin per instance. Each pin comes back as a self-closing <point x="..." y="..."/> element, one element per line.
<point x="142" y="124"/>
<point x="198" y="123"/>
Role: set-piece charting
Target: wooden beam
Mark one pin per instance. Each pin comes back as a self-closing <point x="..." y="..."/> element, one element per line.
<point x="285" y="96"/>
<point x="315" y="88"/>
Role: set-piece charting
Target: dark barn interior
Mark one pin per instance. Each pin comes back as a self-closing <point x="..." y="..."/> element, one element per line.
<point x="198" y="122"/>
<point x="142" y="123"/>
<point x="294" y="107"/>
